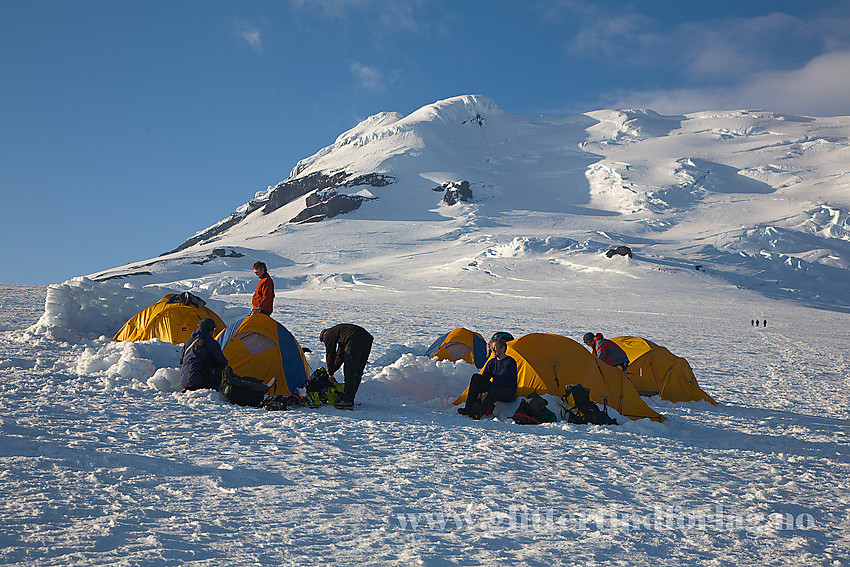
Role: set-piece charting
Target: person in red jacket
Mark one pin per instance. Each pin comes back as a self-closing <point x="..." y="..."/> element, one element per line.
<point x="606" y="350"/>
<point x="263" y="299"/>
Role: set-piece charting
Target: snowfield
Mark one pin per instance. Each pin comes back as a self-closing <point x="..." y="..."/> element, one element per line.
<point x="733" y="217"/>
<point x="105" y="462"/>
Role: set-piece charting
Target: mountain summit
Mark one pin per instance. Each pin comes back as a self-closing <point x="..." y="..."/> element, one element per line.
<point x="751" y="197"/>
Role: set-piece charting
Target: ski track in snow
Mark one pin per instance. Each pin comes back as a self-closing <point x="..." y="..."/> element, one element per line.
<point x="99" y="468"/>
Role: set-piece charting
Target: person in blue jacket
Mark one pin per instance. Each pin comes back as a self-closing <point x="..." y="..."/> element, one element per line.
<point x="496" y="383"/>
<point x="202" y="362"/>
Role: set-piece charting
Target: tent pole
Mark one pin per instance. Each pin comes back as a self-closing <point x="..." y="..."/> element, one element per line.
<point x="666" y="378"/>
<point x="622" y="386"/>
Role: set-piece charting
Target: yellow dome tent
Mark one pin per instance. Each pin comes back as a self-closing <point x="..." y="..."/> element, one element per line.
<point x="547" y="363"/>
<point x="460" y="344"/>
<point x="260" y="347"/>
<point x="172" y="319"/>
<point x="655" y="371"/>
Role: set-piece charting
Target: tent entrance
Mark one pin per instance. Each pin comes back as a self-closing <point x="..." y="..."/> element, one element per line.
<point x="456" y="350"/>
<point x="256" y="342"/>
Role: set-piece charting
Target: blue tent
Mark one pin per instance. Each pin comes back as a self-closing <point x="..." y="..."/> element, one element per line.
<point x="460" y="344"/>
<point x="261" y="347"/>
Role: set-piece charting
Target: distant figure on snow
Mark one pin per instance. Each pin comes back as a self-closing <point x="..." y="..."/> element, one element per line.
<point x="606" y="350"/>
<point x="764" y="324"/>
<point x="752" y="323"/>
<point x="202" y="361"/>
<point x="263" y="299"/>
<point x="347" y="346"/>
<point x="496" y="383"/>
<point x="757" y="322"/>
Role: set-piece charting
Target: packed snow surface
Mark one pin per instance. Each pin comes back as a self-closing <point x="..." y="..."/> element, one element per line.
<point x="104" y="461"/>
<point x="733" y="218"/>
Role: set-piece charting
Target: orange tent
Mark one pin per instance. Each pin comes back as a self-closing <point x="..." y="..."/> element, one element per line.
<point x="171" y="319"/>
<point x="655" y="371"/>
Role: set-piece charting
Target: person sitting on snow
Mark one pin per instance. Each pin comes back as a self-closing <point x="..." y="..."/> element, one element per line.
<point x="496" y="383"/>
<point x="606" y="350"/>
<point x="202" y="362"/>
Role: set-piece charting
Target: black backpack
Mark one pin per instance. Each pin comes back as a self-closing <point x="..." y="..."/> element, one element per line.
<point x="321" y="388"/>
<point x="532" y="411"/>
<point x="579" y="408"/>
<point x="243" y="390"/>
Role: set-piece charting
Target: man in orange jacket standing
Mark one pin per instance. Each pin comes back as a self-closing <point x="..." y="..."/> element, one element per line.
<point x="264" y="296"/>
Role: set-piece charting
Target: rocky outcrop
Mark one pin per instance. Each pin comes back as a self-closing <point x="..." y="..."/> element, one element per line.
<point x="329" y="204"/>
<point x="218" y="253"/>
<point x="455" y="192"/>
<point x="287" y="191"/>
<point x="325" y="205"/>
<point x="619" y="250"/>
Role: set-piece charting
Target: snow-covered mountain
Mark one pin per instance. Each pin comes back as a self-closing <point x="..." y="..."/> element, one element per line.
<point x="754" y="198"/>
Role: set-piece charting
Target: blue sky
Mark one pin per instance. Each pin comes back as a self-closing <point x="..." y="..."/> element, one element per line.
<point x="129" y="126"/>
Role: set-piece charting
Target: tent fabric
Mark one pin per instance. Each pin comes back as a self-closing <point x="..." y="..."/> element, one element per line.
<point x="187" y="298"/>
<point x="655" y="371"/>
<point x="260" y="347"/>
<point x="547" y="363"/>
<point x="172" y="319"/>
<point x="460" y="344"/>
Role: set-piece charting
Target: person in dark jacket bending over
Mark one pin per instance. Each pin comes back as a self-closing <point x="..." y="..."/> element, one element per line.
<point x="349" y="345"/>
<point x="263" y="299"/>
<point x="607" y="350"/>
<point x="496" y="383"/>
<point x="202" y="361"/>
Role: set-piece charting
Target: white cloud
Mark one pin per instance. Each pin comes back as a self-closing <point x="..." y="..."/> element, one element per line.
<point x="367" y="77"/>
<point x="399" y="16"/>
<point x="735" y="47"/>
<point x="392" y="15"/>
<point x="820" y="88"/>
<point x="328" y="8"/>
<point x="817" y="89"/>
<point x="704" y="50"/>
<point x="250" y="33"/>
<point x="612" y="36"/>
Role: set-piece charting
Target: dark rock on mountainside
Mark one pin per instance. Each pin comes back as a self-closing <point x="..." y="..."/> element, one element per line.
<point x="619" y="250"/>
<point x="371" y="179"/>
<point x="455" y="192"/>
<point x="218" y="253"/>
<point x="287" y="191"/>
<point x="327" y="204"/>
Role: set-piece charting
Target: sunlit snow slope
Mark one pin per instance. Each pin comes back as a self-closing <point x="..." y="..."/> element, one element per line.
<point x="756" y="199"/>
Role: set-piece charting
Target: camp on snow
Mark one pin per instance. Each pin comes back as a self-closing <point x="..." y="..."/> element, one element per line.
<point x="655" y="371"/>
<point x="172" y="319"/>
<point x="460" y="344"/>
<point x="547" y="363"/>
<point x="260" y="347"/>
